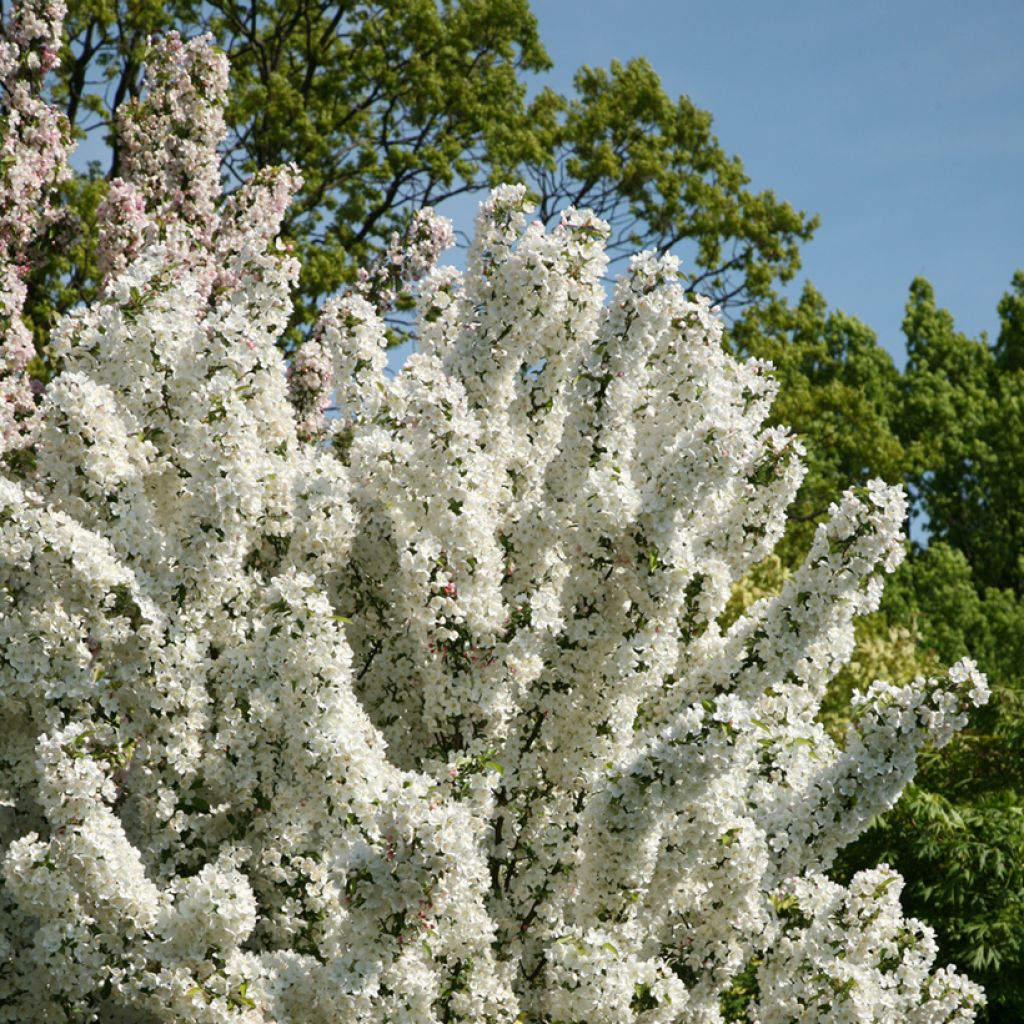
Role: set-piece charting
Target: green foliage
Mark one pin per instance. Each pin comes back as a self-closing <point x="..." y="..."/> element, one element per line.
<point x="390" y="107"/>
<point x="964" y="424"/>
<point x="652" y="167"/>
<point x="740" y="994"/>
<point x="385" y="108"/>
<point x="62" y="261"/>
<point x="951" y="427"/>
<point x="958" y="834"/>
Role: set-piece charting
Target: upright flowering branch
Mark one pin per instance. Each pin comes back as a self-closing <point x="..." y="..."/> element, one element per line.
<point x="407" y="259"/>
<point x="167" y="143"/>
<point x="168" y="140"/>
<point x="406" y="262"/>
<point x="34" y="146"/>
<point x="429" y="712"/>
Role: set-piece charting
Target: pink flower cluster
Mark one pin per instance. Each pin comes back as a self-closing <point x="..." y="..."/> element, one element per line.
<point x="33" y="161"/>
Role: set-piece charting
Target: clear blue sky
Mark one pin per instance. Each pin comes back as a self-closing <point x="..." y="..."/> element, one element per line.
<point x="900" y="123"/>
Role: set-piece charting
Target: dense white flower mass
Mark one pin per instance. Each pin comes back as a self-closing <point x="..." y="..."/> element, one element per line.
<point x="429" y="712"/>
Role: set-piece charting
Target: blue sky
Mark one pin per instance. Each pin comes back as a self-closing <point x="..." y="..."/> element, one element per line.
<point x="900" y="123"/>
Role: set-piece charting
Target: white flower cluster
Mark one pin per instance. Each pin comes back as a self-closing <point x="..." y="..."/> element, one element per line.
<point x="428" y="713"/>
<point x="847" y="954"/>
<point x="407" y="259"/>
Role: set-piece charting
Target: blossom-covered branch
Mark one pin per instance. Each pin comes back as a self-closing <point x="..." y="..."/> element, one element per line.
<point x="34" y="148"/>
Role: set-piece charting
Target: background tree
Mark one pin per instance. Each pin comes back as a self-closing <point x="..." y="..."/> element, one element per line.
<point x="965" y="420"/>
<point x="389" y="107"/>
<point x="651" y="167"/>
<point x="839" y="390"/>
<point x="958" y="833"/>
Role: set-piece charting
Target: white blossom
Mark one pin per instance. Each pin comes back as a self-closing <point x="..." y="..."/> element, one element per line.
<point x="429" y="713"/>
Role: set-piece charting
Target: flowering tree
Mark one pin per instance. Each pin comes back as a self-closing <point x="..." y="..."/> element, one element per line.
<point x="430" y="711"/>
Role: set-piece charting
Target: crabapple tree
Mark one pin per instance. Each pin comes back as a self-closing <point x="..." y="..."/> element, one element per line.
<point x="427" y="710"/>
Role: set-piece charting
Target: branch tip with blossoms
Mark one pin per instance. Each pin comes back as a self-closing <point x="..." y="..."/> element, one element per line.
<point x="407" y="259"/>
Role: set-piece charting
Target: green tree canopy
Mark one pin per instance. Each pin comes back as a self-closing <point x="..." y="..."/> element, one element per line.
<point x="652" y="167"/>
<point x="387" y="107"/>
<point x="839" y="390"/>
<point x="964" y="422"/>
